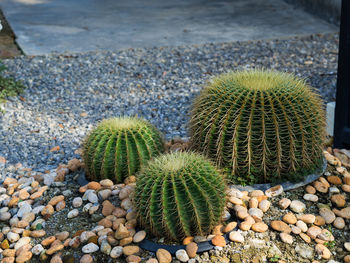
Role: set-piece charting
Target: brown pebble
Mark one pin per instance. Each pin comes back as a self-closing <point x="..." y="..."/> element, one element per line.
<point x="305" y="237"/>
<point x="260" y="227"/>
<point x="54" y="200"/>
<point x="48" y="241"/>
<point x="93" y="185"/>
<point x="163" y="256"/>
<point x="187" y="240"/>
<point x="280" y="226"/>
<point x="192" y="249"/>
<point x="133" y="259"/>
<point x="60" y="205"/>
<point x="290" y="218"/>
<point x="319" y="221"/>
<point x="310" y="189"/>
<point x="338" y="200"/>
<point x="131" y="250"/>
<point x="219" y="241"/>
<point x="333" y="179"/>
<point x="229" y="227"/>
<point x="125" y="241"/>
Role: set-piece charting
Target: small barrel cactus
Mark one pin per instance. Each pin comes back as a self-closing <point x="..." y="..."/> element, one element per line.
<point x="261" y="126"/>
<point x="119" y="146"/>
<point x="179" y="194"/>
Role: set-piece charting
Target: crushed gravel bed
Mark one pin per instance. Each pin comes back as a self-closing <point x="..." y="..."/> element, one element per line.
<point x="68" y="94"/>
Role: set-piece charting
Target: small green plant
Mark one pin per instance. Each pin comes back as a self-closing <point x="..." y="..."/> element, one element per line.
<point x="8" y="86"/>
<point x="275" y="258"/>
<point x="179" y="194"/>
<point x="260" y="126"/>
<point x="119" y="146"/>
<point x="330" y="244"/>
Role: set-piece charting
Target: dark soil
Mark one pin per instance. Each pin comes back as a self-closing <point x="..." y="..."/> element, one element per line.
<point x="8" y="45"/>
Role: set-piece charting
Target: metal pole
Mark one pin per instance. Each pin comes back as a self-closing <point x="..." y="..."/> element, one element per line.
<point x="342" y="108"/>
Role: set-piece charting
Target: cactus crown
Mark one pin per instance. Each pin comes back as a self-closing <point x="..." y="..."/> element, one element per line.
<point x="179" y="194"/>
<point x="260" y="125"/>
<point x="119" y="146"/>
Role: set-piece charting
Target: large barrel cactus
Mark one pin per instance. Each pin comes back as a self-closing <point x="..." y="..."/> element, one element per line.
<point x="119" y="146"/>
<point x="179" y="194"/>
<point x="261" y="126"/>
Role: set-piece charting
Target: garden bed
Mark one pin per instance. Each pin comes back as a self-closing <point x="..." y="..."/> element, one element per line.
<point x="68" y="94"/>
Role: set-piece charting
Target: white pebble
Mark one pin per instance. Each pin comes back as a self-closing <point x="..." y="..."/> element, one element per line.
<point x="311" y="197"/>
<point x="181" y="255"/>
<point x="25" y="208"/>
<point x="297" y="206"/>
<point x="90" y="248"/>
<point x="5" y="216"/>
<point x="12" y="237"/>
<point x="73" y="213"/>
<point x="236" y="237"/>
<point x="303" y="227"/>
<point x="37" y="249"/>
<point x="116" y="252"/>
<point x="77" y="202"/>
<point x="92" y="197"/>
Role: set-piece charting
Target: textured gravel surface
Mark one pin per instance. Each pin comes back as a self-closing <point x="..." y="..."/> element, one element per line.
<point x="68" y="94"/>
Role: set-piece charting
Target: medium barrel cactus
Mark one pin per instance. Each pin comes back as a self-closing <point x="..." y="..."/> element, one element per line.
<point x="261" y="126"/>
<point x="119" y="146"/>
<point x="179" y="194"/>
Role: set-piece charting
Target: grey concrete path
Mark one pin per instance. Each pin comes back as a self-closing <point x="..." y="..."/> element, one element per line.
<point x="45" y="26"/>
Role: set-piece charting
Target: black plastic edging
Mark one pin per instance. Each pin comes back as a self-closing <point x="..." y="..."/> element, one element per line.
<point x="202" y="246"/>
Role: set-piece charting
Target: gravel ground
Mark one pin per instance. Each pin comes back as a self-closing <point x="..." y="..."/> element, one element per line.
<point x="68" y="94"/>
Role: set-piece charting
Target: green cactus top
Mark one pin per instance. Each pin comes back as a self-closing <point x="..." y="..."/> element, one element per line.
<point x="179" y="194"/>
<point x="119" y="146"/>
<point x="260" y="125"/>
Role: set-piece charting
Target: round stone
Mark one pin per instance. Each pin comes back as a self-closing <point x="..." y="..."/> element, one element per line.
<point x="286" y="238"/>
<point x="310" y="189"/>
<point x="37" y="249"/>
<point x="22" y="241"/>
<point x="307" y="218"/>
<point x="339" y="223"/>
<point x="236" y="236"/>
<point x="289" y="218"/>
<point x="116" y="252"/>
<point x="274" y="191"/>
<point x="310" y="197"/>
<point x="314" y="231"/>
<point x="163" y="256"/>
<point x="77" y="202"/>
<point x="92" y="197"/>
<point x="73" y="213"/>
<point x="218" y="241"/>
<point x="327" y="214"/>
<point x="296" y="230"/>
<point x="264" y="205"/>
<point x="347" y="246"/>
<point x="338" y="200"/>
<point x="139" y="236"/>
<point x="280" y="226"/>
<point x="319" y="221"/>
<point x="323" y="251"/>
<point x="90" y="248"/>
<point x="12" y="237"/>
<point x="191" y="249"/>
<point x="297" y="206"/>
<point x="256" y="212"/>
<point x="181" y="255"/>
<point x="86" y="259"/>
<point x="284" y="203"/>
<point x="5" y="216"/>
<point x="131" y="250"/>
<point x="259" y="227"/>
